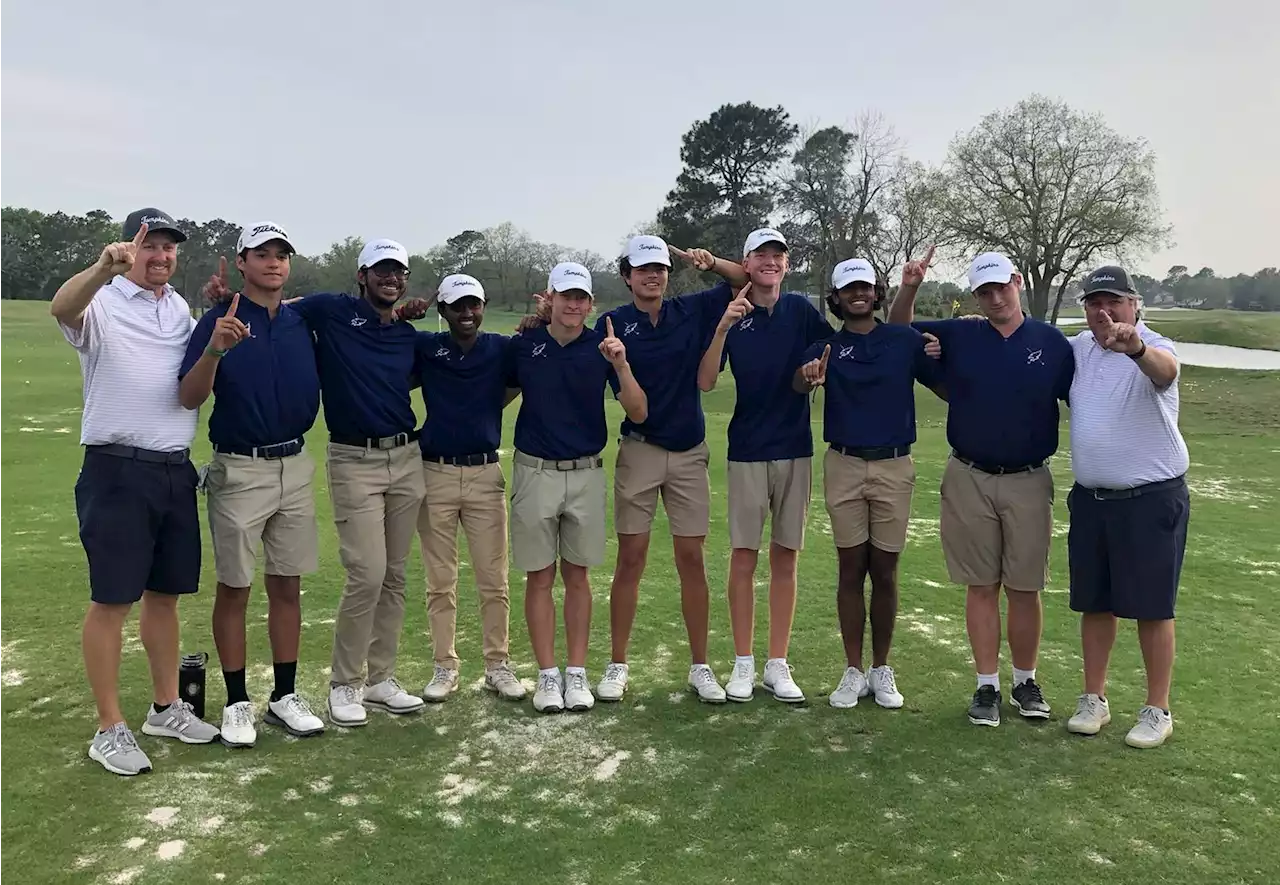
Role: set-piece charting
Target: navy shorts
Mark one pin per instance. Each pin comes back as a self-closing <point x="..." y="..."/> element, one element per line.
<point x="139" y="526"/>
<point x="1126" y="554"/>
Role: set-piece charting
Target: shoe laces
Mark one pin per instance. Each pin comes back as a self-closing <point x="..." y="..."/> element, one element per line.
<point x="348" y="695"/>
<point x="548" y="682"/>
<point x="182" y="711"/>
<point x="702" y="675"/>
<point x="502" y="675"/>
<point x="985" y="696"/>
<point x="1090" y="705"/>
<point x="1151" y="717"/>
<point x="442" y="675"/>
<point x="742" y="670"/>
<point x="394" y="685"/>
<point x="615" y="673"/>
<point x="575" y="682"/>
<point x="122" y="738"/>
<point x="886" y="680"/>
<point x="241" y="715"/>
<point x="780" y="671"/>
<point x="1030" y="688"/>
<point x="295" y="703"/>
<point x="850" y="679"/>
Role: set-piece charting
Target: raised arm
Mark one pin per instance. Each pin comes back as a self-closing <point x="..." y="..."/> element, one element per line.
<point x="732" y="271"/>
<point x="73" y="297"/>
<point x="630" y="393"/>
<point x="197" y="380"/>
<point x="713" y="359"/>
<point x="903" y="308"/>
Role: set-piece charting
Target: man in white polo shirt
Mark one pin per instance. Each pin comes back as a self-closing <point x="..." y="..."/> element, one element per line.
<point x="136" y="493"/>
<point x="1129" y="506"/>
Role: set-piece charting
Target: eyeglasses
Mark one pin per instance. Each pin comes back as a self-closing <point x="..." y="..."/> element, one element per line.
<point x="391" y="270"/>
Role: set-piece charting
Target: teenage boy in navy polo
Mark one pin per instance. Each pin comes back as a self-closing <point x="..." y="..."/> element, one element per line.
<point x="255" y="356"/>
<point x="1004" y="379"/>
<point x="869" y="370"/>
<point x="136" y="493"/>
<point x="664" y="455"/>
<point x="558" y="485"/>
<point x="367" y="355"/>
<point x="464" y="389"/>
<point x="763" y="333"/>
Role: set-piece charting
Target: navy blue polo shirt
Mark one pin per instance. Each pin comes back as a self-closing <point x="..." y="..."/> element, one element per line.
<point x="365" y="366"/>
<point x="869" y="400"/>
<point x="664" y="359"/>
<point x="266" y="389"/>
<point x="1003" y="392"/>
<point x="561" y="394"/>
<point x="770" y="420"/>
<point x="463" y="392"/>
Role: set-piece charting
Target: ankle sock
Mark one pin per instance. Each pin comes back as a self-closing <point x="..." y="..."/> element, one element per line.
<point x="160" y="708"/>
<point x="992" y="679"/>
<point x="748" y="660"/>
<point x="286" y="675"/>
<point x="575" y="671"/>
<point x="236" y="692"/>
<point x="1021" y="676"/>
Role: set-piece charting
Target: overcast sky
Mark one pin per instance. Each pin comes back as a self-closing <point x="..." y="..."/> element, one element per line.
<point x="416" y="120"/>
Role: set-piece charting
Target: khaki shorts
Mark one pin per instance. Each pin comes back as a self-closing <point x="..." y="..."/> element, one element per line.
<point x="643" y="471"/>
<point x="997" y="529"/>
<point x="254" y="500"/>
<point x="556" y="512"/>
<point x="758" y="489"/>
<point x="868" y="500"/>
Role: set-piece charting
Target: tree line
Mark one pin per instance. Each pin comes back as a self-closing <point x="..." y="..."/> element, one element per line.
<point x="1055" y="189"/>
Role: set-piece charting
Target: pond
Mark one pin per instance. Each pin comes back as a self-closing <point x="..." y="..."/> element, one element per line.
<point x="1213" y="356"/>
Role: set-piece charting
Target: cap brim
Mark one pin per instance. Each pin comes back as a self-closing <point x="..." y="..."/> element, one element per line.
<point x="264" y="241"/>
<point x="450" y="300"/>
<point x="572" y="288"/>
<point x="177" y="234"/>
<point x="854" y="278"/>
<point x="644" y="258"/>
<point x="758" y="246"/>
<point x="1108" y="291"/>
<point x="1001" y="278"/>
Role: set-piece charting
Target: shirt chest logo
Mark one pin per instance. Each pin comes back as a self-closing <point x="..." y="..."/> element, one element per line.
<point x="744" y="324"/>
<point x="846" y="353"/>
<point x="630" y="328"/>
<point x="443" y="352"/>
<point x="358" y="321"/>
<point x="1033" y="356"/>
<point x="540" y="350"/>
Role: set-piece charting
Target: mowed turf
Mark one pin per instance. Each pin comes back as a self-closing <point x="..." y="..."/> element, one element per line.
<point x="661" y="788"/>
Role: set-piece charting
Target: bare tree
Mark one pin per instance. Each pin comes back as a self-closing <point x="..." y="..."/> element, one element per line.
<point x="1054" y="189"/>
<point x="911" y="218"/>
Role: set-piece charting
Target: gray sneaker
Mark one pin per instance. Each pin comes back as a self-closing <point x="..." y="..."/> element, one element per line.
<point x="118" y="752"/>
<point x="179" y="721"/>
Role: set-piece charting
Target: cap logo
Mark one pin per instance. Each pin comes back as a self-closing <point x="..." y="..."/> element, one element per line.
<point x="381" y="246"/>
<point x="570" y="272"/>
<point x="154" y="219"/>
<point x="457" y="283"/>
<point x="265" y="228"/>
<point x="988" y="265"/>
<point x="650" y="247"/>
<point x="1102" y="278"/>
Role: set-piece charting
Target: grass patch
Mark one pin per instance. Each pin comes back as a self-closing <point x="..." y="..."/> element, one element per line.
<point x="659" y="788"/>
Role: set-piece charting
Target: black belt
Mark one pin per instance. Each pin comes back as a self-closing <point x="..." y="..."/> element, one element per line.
<point x="996" y="469"/>
<point x="120" y="451"/>
<point x="876" y="453"/>
<point x="271" y="452"/>
<point x="477" y="460"/>
<point x="1135" y="492"/>
<point x="380" y="442"/>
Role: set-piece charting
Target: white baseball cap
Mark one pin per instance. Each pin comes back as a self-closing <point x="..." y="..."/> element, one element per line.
<point x="457" y="286"/>
<point x="646" y="249"/>
<point x="990" y="267"/>
<point x="854" y="270"/>
<point x="382" y="250"/>
<point x="758" y="238"/>
<point x="254" y="235"/>
<point x="569" y="275"/>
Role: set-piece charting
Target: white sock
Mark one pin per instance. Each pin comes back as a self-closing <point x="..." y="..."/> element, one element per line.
<point x="992" y="680"/>
<point x="780" y="661"/>
<point x="749" y="660"/>
<point x="550" y="671"/>
<point x="1021" y="676"/>
<point x="579" y="671"/>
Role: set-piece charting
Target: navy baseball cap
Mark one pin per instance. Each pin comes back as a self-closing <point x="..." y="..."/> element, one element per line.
<point x="155" y="220"/>
<point x="1111" y="278"/>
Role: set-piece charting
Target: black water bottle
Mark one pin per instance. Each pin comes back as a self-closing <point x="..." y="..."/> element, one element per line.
<point x="191" y="681"/>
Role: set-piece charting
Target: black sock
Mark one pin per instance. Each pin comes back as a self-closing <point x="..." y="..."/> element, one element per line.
<point x="236" y="692"/>
<point x="285" y="675"/>
<point x="160" y="708"/>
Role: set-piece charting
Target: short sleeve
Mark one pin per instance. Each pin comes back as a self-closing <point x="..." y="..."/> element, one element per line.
<point x="313" y="307"/>
<point x="928" y="371"/>
<point x="89" y="335"/>
<point x="200" y="337"/>
<point x="816" y="326"/>
<point x="1066" y="372"/>
<point x="939" y="328"/>
<point x="510" y="354"/>
<point x="708" y="306"/>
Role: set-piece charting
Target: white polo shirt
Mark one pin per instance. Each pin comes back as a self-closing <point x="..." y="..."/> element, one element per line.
<point x="1124" y="429"/>
<point x="131" y="348"/>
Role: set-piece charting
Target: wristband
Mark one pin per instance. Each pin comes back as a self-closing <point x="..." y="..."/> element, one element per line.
<point x="1140" y="354"/>
<point x="213" y="351"/>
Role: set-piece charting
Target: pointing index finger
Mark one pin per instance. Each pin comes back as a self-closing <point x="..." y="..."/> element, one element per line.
<point x="928" y="256"/>
<point x="140" y="235"/>
<point x="608" y="326"/>
<point x="222" y="268"/>
<point x="826" y="355"/>
<point x="235" y="302"/>
<point x="680" y="253"/>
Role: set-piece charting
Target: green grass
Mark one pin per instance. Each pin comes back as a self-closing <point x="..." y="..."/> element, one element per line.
<point x="660" y="788"/>
<point x="1234" y="328"/>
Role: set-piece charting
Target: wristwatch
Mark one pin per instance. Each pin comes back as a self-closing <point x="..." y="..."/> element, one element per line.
<point x="1141" y="352"/>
